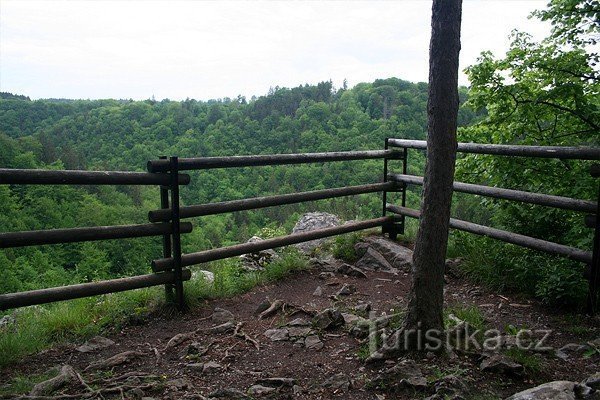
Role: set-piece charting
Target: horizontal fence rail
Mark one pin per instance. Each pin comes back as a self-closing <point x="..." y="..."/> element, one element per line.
<point x="42" y="296"/>
<point x="268" y="201"/>
<point x="75" y="177"/>
<point x="245" y="248"/>
<point x="579" y="153"/>
<point x="269" y="159"/>
<point x="565" y="203"/>
<point x="71" y="235"/>
<point x="505" y="236"/>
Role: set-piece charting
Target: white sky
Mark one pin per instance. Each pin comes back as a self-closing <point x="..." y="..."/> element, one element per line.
<point x="204" y="50"/>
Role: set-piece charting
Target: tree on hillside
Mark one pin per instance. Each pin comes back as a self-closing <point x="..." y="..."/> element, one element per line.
<point x="425" y="310"/>
<point x="426" y="301"/>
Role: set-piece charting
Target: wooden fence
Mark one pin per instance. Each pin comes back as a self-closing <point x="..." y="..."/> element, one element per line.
<point x="166" y="222"/>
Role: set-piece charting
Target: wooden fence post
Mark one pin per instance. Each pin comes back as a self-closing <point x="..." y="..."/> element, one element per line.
<point x="594" y="295"/>
<point x="166" y="239"/>
<point x="176" y="235"/>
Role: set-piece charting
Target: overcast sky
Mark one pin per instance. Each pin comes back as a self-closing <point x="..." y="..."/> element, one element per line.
<point x="204" y="50"/>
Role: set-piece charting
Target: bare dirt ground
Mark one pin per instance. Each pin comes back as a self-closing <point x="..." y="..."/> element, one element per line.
<point x="161" y="373"/>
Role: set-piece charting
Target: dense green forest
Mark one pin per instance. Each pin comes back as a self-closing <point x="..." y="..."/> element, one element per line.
<point x="540" y="92"/>
<point x="124" y="135"/>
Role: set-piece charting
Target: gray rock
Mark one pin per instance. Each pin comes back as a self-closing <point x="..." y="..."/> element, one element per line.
<point x="346" y="290"/>
<point x="228" y="393"/>
<point x="211" y="366"/>
<point x="298" y="322"/>
<point x="452" y="267"/>
<point x="6" y="321"/>
<point x="95" y="343"/>
<point x="372" y="260"/>
<point x="221" y="316"/>
<point x="318" y="292"/>
<point x="277" y="382"/>
<point x="179" y="384"/>
<point x="363" y="308"/>
<point x="571" y="350"/>
<point x="501" y="363"/>
<point x="351" y="319"/>
<point x="396" y="257"/>
<point x="260" y="390"/>
<point x="196" y="348"/>
<point x="406" y="374"/>
<point x="328" y="319"/>
<point x="207" y="276"/>
<point x="337" y="382"/>
<point x="257" y="261"/>
<point x="592" y="381"/>
<point x="451" y="387"/>
<point x="313" y="342"/>
<point x="557" y="390"/>
<point x="299" y="331"/>
<point x="310" y="222"/>
<point x="350" y="270"/>
<point x="278" y="334"/>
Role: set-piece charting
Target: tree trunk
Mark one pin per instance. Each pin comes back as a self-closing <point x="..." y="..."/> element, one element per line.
<point x="426" y="301"/>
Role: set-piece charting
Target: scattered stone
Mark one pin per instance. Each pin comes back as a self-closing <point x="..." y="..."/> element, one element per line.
<point x="451" y="387"/>
<point x="337" y="382"/>
<point x="329" y="318"/>
<point x="211" y="366"/>
<point x="221" y="316"/>
<point x="206" y="276"/>
<point x="326" y="275"/>
<point x="257" y="261"/>
<point x="361" y="329"/>
<point x="557" y="390"/>
<point x="259" y="390"/>
<point x="593" y="381"/>
<point x="298" y="322"/>
<point x="179" y="384"/>
<point x="277" y="382"/>
<point x="118" y="359"/>
<point x="295" y="331"/>
<point x="501" y="363"/>
<point x="406" y="374"/>
<point x="195" y="366"/>
<point x="570" y="350"/>
<point x="197" y="349"/>
<point x="6" y="321"/>
<point x="320" y="264"/>
<point x="66" y="375"/>
<point x="95" y="343"/>
<point x="228" y="393"/>
<point x="363" y="308"/>
<point x="278" y="334"/>
<point x="350" y="319"/>
<point x="351" y="270"/>
<point x="297" y="390"/>
<point x="318" y="292"/>
<point x="346" y="290"/>
<point x="313" y="342"/>
<point x="310" y="222"/>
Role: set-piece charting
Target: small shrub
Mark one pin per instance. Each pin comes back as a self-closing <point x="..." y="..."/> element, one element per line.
<point x="343" y="247"/>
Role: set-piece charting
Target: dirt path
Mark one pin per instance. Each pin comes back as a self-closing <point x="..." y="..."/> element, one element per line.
<point x="335" y="370"/>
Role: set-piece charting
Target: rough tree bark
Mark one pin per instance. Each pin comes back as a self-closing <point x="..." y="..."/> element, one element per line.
<point x="426" y="300"/>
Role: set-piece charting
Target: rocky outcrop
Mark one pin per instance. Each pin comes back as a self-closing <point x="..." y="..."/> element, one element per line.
<point x="313" y="221"/>
<point x="379" y="253"/>
<point x="257" y="261"/>
<point x="588" y="389"/>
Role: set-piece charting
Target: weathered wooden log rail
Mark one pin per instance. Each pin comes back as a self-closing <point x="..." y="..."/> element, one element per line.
<point x="166" y="222"/>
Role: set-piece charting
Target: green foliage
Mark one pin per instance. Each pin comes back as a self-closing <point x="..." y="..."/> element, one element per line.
<point x="530" y="362"/>
<point x="470" y="314"/>
<point x="343" y="246"/>
<point x="540" y="93"/>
